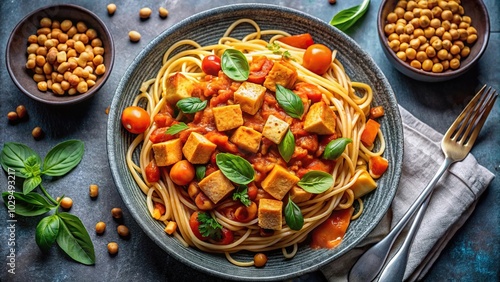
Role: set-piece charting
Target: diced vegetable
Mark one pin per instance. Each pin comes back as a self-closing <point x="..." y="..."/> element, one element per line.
<point x="300" y="40"/>
<point x="363" y="185"/>
<point x="370" y="133"/>
<point x="378" y="165"/>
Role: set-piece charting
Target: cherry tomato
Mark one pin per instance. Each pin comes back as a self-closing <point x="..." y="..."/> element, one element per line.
<point x="259" y="68"/>
<point x="182" y="172"/>
<point x="152" y="172"/>
<point x="195" y="224"/>
<point x="135" y="119"/>
<point x="252" y="191"/>
<point x="211" y="65"/>
<point x="300" y="40"/>
<point x="227" y="237"/>
<point x="317" y="58"/>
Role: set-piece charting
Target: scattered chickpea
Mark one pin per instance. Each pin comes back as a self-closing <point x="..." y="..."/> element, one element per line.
<point x="332" y="1"/>
<point x="100" y="227"/>
<point x="21" y="111"/>
<point x="116" y="213"/>
<point x="163" y="12"/>
<point x="12" y="116"/>
<point x="112" y="248"/>
<point x="145" y="13"/>
<point x="37" y="133"/>
<point x="134" y="36"/>
<point x="111" y="8"/>
<point x="259" y="259"/>
<point x="123" y="231"/>
<point x="93" y="190"/>
<point x="66" y="203"/>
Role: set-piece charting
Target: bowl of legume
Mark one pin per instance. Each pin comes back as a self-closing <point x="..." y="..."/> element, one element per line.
<point x="60" y="54"/>
<point x="433" y="40"/>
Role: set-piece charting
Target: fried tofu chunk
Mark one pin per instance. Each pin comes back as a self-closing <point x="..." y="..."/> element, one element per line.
<point x="228" y="117"/>
<point x="299" y="195"/>
<point x="283" y="74"/>
<point x="270" y="214"/>
<point x="168" y="152"/>
<point x="247" y="139"/>
<point x="216" y="186"/>
<point x="363" y="185"/>
<point x="275" y="129"/>
<point x="250" y="96"/>
<point x="278" y="182"/>
<point x="198" y="149"/>
<point x="320" y="119"/>
<point x="178" y="87"/>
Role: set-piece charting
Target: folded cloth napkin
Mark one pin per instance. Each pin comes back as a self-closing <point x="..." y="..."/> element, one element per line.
<point x="453" y="200"/>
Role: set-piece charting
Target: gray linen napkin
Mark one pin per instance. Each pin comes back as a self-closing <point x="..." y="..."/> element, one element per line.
<point x="452" y="202"/>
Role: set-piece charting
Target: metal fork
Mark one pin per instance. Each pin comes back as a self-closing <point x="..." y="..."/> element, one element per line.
<point x="456" y="144"/>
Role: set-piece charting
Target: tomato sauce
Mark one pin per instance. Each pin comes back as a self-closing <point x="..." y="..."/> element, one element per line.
<point x="330" y="233"/>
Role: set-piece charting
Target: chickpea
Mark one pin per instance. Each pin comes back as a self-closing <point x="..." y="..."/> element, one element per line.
<point x="259" y="260"/>
<point x="116" y="213"/>
<point x="111" y="8"/>
<point x="123" y="230"/>
<point x="437" y="68"/>
<point x="446" y="44"/>
<point x="100" y="227"/>
<point x="430" y="51"/>
<point x="429" y="32"/>
<point x="419" y="32"/>
<point x="436" y="12"/>
<point x="12" y="116"/>
<point x="454" y="63"/>
<point x="134" y="36"/>
<point x="427" y="65"/>
<point x="440" y="31"/>
<point x="415" y="23"/>
<point x="411" y="53"/>
<point x="392" y="37"/>
<point x="112" y="248"/>
<point x="447" y="15"/>
<point x="435" y="23"/>
<point x="394" y="45"/>
<point x="417" y="12"/>
<point x="404" y="46"/>
<point x="404" y="38"/>
<point x="421" y="56"/>
<point x="399" y="12"/>
<point x="21" y="111"/>
<point x="424" y="21"/>
<point x="446" y="64"/>
<point x="471" y="38"/>
<point x="389" y="28"/>
<point x="401" y="55"/>
<point x="42" y="86"/>
<point x="45" y="22"/>
<point x="408" y="16"/>
<point x="437" y="44"/>
<point x="100" y="69"/>
<point x="402" y="4"/>
<point x="454" y="49"/>
<point x="66" y="203"/>
<point x="465" y="51"/>
<point x="416" y="64"/>
<point x="415" y="43"/>
<point x="145" y="13"/>
<point x="471" y="30"/>
<point x="411" y="5"/>
<point x="442" y="54"/>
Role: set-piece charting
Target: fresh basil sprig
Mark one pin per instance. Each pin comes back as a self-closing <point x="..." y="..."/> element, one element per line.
<point x="287" y="146"/>
<point x="176" y="128"/>
<point x="293" y="215"/>
<point x="316" y="181"/>
<point x="334" y="148"/>
<point x="289" y="102"/>
<point x="346" y="18"/>
<point x="235" y="65"/>
<point x="191" y="105"/>
<point x="235" y="168"/>
<point x="64" y="228"/>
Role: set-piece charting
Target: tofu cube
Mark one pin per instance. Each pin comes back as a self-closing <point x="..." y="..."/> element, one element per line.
<point x="247" y="139"/>
<point x="177" y="87"/>
<point x="320" y="119"/>
<point x="299" y="195"/>
<point x="216" y="186"/>
<point x="250" y="96"/>
<point x="275" y="129"/>
<point x="168" y="152"/>
<point x="270" y="214"/>
<point x="281" y="73"/>
<point x="198" y="149"/>
<point x="363" y="185"/>
<point x="278" y="182"/>
<point x="228" y="117"/>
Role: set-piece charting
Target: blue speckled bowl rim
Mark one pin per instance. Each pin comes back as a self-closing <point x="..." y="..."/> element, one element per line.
<point x="277" y="268"/>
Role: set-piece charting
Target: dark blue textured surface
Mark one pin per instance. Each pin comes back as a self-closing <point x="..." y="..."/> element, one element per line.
<point x="472" y="254"/>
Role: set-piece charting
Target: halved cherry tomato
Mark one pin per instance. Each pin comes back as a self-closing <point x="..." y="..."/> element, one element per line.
<point x="195" y="224"/>
<point x="227" y="237"/>
<point x="312" y="91"/>
<point x="300" y="40"/>
<point x="252" y="191"/>
<point x="135" y="119"/>
<point x="259" y="68"/>
<point x="182" y="172"/>
<point x="317" y="58"/>
<point x="152" y="172"/>
<point x="211" y="65"/>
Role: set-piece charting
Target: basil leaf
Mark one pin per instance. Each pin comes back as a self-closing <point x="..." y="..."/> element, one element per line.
<point x="200" y="172"/>
<point x="316" y="181"/>
<point x="74" y="239"/>
<point x="31" y="183"/>
<point x="176" y="128"/>
<point x="31" y="204"/>
<point x="235" y="65"/>
<point x="293" y="215"/>
<point x="46" y="232"/>
<point x="287" y="146"/>
<point x="63" y="158"/>
<point x="14" y="155"/>
<point x="346" y="18"/>
<point x="335" y="148"/>
<point x="191" y="105"/>
<point x="289" y="102"/>
<point x="235" y="168"/>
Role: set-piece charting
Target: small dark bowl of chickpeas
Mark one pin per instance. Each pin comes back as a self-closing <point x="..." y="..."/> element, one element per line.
<point x="433" y="40"/>
<point x="60" y="55"/>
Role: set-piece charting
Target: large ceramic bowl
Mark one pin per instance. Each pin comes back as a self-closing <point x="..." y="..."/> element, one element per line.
<point x="359" y="66"/>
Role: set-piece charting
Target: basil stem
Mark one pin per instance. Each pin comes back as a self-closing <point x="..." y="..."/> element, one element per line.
<point x="316" y="181"/>
<point x="344" y="19"/>
<point x="176" y="128"/>
<point x="335" y="148"/>
<point x="235" y="65"/>
<point x="289" y="102"/>
<point x="287" y="146"/>
<point x="235" y="168"/>
<point x="293" y="215"/>
<point x="191" y="105"/>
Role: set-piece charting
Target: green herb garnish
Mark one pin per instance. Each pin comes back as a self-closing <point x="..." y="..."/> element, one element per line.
<point x="334" y="148"/>
<point x="191" y="105"/>
<point x="241" y="194"/>
<point x="346" y="18"/>
<point x="293" y="215"/>
<point x="176" y="128"/>
<point x="289" y="102"/>
<point x="287" y="146"/>
<point x="235" y="65"/>
<point x="235" y="168"/>
<point x="316" y="181"/>
<point x="209" y="227"/>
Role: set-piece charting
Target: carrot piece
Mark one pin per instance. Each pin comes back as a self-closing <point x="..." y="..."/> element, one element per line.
<point x="378" y="165"/>
<point x="370" y="133"/>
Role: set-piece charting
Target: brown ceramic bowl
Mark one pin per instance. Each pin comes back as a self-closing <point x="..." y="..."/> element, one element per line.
<point x="16" y="53"/>
<point x="480" y="20"/>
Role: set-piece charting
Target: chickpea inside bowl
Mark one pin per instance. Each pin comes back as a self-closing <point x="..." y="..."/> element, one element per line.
<point x="60" y="54"/>
<point x="433" y="40"/>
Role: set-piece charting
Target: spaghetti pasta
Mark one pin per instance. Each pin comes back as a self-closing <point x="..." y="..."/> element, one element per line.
<point x="350" y="102"/>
